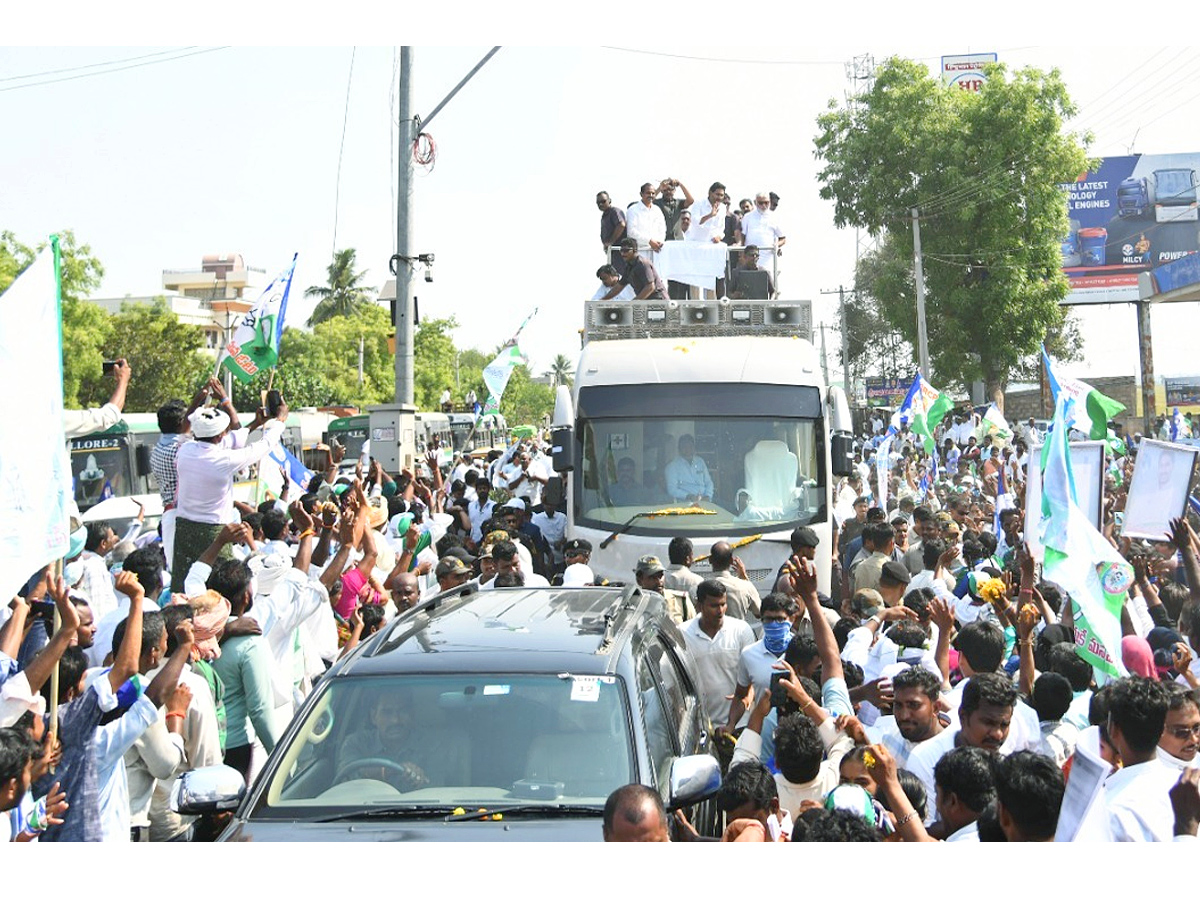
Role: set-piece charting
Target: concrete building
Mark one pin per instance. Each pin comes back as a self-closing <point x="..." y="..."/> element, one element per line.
<point x="211" y="297"/>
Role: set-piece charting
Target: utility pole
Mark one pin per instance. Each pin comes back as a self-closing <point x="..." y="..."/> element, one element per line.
<point x="841" y="292"/>
<point x="1146" y="348"/>
<point x="404" y="236"/>
<point x="919" y="278"/>
<point x="824" y="357"/>
<point x="411" y="127"/>
<point x="360" y="360"/>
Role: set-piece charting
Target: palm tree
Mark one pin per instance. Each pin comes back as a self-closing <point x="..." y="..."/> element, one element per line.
<point x="344" y="294"/>
<point x="560" y="371"/>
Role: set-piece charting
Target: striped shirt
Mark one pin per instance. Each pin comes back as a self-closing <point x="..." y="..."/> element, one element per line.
<point x="162" y="464"/>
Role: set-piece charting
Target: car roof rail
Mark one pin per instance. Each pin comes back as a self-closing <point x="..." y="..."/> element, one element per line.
<point x="617" y="614"/>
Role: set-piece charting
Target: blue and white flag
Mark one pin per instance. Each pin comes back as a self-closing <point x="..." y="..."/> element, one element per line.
<point x="281" y="461"/>
<point x="255" y="343"/>
<point x="1176" y="424"/>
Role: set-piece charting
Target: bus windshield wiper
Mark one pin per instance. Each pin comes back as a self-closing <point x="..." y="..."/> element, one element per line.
<point x="392" y="811"/>
<point x="654" y="514"/>
<point x="550" y="810"/>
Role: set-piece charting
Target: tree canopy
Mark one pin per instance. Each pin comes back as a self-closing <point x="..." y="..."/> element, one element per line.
<point x="343" y="294"/>
<point x="984" y="171"/>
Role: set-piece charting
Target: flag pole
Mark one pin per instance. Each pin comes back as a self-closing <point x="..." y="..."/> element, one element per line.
<point x="58" y="563"/>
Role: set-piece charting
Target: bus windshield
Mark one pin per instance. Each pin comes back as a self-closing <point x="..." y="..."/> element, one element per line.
<point x="750" y="474"/>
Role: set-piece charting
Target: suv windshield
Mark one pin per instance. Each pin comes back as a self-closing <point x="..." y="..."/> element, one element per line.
<point x="754" y="473"/>
<point x="454" y="740"/>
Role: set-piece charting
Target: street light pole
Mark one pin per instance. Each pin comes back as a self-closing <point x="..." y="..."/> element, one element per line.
<point x="919" y="278"/>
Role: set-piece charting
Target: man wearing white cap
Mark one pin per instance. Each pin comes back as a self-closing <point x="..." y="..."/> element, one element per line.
<point x="204" y="495"/>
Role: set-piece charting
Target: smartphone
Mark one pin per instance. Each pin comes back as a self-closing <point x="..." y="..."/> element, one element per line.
<point x="779" y="695"/>
<point x="109" y="366"/>
<point x="42" y="609"/>
<point x="274" y="402"/>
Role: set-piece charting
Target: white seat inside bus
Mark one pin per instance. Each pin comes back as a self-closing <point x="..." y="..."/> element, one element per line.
<point x="771" y="475"/>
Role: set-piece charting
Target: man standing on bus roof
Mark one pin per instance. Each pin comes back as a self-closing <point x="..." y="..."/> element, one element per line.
<point x="639" y="274"/>
<point x="687" y="474"/>
<point x="761" y="228"/>
<point x="645" y="223"/>
<point x="612" y="225"/>
<point x="78" y="422"/>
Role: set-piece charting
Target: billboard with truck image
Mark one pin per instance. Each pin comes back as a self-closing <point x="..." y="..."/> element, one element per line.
<point x="1132" y="214"/>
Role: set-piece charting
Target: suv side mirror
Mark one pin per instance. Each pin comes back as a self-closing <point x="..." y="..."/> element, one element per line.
<point x="693" y="779"/>
<point x="207" y="790"/>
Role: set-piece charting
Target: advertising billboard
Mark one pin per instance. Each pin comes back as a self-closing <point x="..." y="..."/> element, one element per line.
<point x="1182" y="391"/>
<point x="887" y="393"/>
<point x="966" y="72"/>
<point x="1133" y="214"/>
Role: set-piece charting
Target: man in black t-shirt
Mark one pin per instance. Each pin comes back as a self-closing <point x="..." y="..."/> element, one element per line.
<point x="639" y="274"/>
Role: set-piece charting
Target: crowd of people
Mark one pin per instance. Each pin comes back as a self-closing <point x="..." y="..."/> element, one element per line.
<point x="938" y="691"/>
<point x="935" y="692"/>
<point x="193" y="643"/>
<point x="632" y="238"/>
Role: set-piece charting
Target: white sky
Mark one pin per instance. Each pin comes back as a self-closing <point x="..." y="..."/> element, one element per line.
<point x="237" y="150"/>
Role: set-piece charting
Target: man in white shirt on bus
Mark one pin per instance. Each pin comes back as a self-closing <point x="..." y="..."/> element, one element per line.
<point x="644" y="222"/>
<point x="761" y="228"/>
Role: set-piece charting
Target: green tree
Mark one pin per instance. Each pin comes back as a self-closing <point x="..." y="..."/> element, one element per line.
<point x="433" y="361"/>
<point x="984" y="170"/>
<point x="344" y="294"/>
<point x="166" y="356"/>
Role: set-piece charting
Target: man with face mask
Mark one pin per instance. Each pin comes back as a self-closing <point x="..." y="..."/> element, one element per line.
<point x="758" y="661"/>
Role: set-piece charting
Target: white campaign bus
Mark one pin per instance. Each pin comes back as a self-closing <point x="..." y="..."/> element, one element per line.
<point x="742" y="381"/>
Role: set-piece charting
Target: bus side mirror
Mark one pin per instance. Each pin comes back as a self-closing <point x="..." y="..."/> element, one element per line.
<point x="562" y="452"/>
<point x="841" y="462"/>
<point x="141" y="459"/>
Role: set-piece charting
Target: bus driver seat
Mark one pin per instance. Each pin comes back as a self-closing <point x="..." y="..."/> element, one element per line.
<point x="771" y="470"/>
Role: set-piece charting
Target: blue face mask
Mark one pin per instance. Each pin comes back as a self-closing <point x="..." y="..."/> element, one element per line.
<point x="777" y="636"/>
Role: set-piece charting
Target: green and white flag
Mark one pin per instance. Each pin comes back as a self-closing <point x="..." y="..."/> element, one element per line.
<point x="255" y="344"/>
<point x="496" y="376"/>
<point x="923" y="409"/>
<point x="1077" y="556"/>
<point x="1091" y="410"/>
<point x="993" y="424"/>
<point x="35" y="474"/>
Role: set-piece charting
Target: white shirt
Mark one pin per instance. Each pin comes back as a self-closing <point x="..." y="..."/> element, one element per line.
<point x="714" y="229"/>
<point x="717" y="660"/>
<point x="478" y="515"/>
<point x="760" y="228"/>
<point x="97" y="584"/>
<point x="106" y="626"/>
<point x="554" y="530"/>
<point x="81" y="422"/>
<point x="532" y="579"/>
<point x="886" y="732"/>
<point x="1139" y="806"/>
<point x="627" y="293"/>
<point x="205" y="492"/>
<point x="922" y="760"/>
<point x="791" y="795"/>
<point x="529" y="486"/>
<point x="645" y="224"/>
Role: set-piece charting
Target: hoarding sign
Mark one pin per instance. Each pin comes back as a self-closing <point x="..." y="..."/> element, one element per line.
<point x="1182" y="391"/>
<point x="966" y="72"/>
<point x="887" y="393"/>
<point x="1133" y="214"/>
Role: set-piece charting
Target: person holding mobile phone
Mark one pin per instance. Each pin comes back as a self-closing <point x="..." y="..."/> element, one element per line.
<point x="78" y="422"/>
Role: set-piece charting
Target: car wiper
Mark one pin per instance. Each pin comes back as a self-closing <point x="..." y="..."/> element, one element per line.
<point x="550" y="810"/>
<point x="394" y="811"/>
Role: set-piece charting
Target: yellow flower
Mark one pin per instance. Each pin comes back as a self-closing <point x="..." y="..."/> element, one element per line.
<point x="992" y="590"/>
<point x="869" y="759"/>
